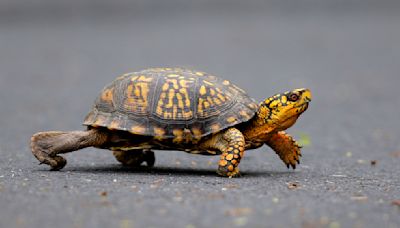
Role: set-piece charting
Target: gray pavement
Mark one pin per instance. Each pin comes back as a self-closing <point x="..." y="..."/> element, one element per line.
<point x="56" y="57"/>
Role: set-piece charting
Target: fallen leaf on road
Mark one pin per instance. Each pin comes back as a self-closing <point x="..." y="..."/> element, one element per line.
<point x="395" y="154"/>
<point x="103" y="193"/>
<point x="359" y="198"/>
<point x="240" y="211"/>
<point x="293" y="185"/>
<point x="304" y="139"/>
<point x="396" y="203"/>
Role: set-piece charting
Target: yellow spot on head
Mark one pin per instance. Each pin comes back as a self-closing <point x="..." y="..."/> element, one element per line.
<point x="284" y="99"/>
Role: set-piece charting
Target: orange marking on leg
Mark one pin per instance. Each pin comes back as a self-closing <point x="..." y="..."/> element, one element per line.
<point x="223" y="162"/>
<point x="229" y="157"/>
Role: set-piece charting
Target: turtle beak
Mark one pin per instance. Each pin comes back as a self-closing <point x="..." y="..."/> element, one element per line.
<point x="306" y="94"/>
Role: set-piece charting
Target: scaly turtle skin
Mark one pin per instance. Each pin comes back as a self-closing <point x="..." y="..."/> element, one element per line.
<point x="179" y="109"/>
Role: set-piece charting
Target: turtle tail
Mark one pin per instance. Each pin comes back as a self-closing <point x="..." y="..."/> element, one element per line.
<point x="46" y="145"/>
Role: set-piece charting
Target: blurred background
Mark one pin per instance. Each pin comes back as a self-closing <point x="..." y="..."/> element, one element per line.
<point x="56" y="56"/>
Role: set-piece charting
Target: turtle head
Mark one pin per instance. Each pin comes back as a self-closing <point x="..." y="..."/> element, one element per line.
<point x="282" y="110"/>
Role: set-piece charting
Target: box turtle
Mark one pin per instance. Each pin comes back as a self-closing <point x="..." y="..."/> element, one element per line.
<point x="179" y="109"/>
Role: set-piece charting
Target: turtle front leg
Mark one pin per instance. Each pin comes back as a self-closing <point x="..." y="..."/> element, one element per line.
<point x="231" y="153"/>
<point x="286" y="148"/>
<point x="134" y="158"/>
<point x="46" y="145"/>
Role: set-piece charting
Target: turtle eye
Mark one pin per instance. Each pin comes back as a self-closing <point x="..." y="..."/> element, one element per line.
<point x="293" y="97"/>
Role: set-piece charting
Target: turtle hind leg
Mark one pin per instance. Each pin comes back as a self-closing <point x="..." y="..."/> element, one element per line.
<point x="134" y="158"/>
<point x="46" y="145"/>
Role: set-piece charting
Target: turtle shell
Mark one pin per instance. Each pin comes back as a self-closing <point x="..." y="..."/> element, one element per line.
<point x="170" y="103"/>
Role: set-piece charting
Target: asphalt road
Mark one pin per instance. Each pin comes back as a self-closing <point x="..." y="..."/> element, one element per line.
<point x="54" y="59"/>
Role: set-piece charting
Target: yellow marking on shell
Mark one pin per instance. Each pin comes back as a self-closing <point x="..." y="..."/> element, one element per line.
<point x="231" y="119"/>
<point x="114" y="124"/>
<point x="244" y="114"/>
<point x="215" y="127"/>
<point x="137" y="91"/>
<point x="175" y="112"/>
<point x="238" y="88"/>
<point x="138" y="129"/>
<point x="202" y="90"/>
<point x="159" y="132"/>
<point x="208" y="83"/>
<point x="226" y="82"/>
<point x="107" y="95"/>
<point x="199" y="73"/>
<point x="174" y="83"/>
<point x="253" y="106"/>
<point x="100" y="121"/>
<point x="184" y="83"/>
<point x="173" y="75"/>
<point x="221" y="97"/>
<point x="180" y="101"/>
<point x="212" y="92"/>
<point x="210" y="100"/>
<point x="200" y="105"/>
<point x="196" y="133"/>
<point x="234" y="162"/>
<point x="230" y="167"/>
<point x="143" y="78"/>
<point x="284" y="99"/>
<point x="217" y="101"/>
<point x="187" y="115"/>
<point x="206" y="104"/>
<point x="168" y="115"/>
<point x="133" y="78"/>
<point x="159" y="110"/>
<point x="171" y="95"/>
<point x="184" y="92"/>
<point x="165" y="87"/>
<point x="178" y="133"/>
<point x="136" y="97"/>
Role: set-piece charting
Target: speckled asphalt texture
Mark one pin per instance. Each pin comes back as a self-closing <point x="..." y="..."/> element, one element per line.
<point x="56" y="57"/>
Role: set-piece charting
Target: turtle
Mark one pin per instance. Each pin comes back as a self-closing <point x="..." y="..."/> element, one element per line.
<point x="179" y="109"/>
